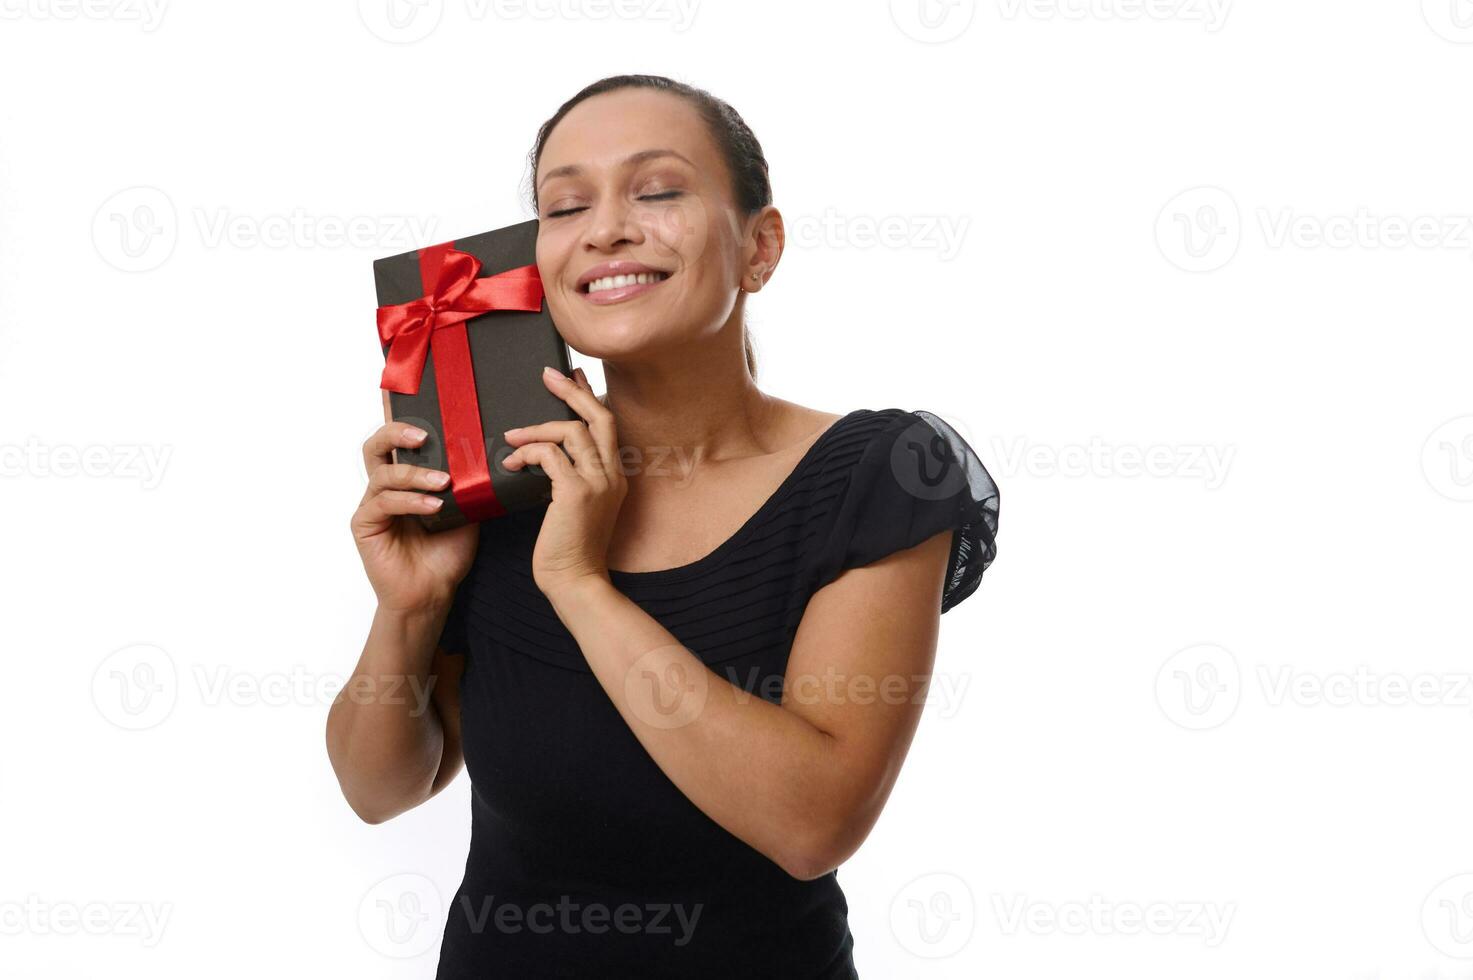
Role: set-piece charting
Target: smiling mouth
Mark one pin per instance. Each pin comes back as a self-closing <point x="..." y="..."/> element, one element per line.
<point x="607" y="283"/>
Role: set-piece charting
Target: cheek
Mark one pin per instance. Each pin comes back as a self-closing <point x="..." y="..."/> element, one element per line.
<point x="682" y="235"/>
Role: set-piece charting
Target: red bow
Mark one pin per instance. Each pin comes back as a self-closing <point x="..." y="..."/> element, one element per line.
<point x="437" y="322"/>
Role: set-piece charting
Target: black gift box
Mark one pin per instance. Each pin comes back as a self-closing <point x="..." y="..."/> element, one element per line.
<point x="508" y="350"/>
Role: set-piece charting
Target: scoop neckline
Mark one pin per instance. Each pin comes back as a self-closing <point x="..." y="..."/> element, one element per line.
<point x="715" y="554"/>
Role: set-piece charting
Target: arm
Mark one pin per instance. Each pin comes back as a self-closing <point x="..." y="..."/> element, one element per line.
<point x="393" y="732"/>
<point x="808" y="778"/>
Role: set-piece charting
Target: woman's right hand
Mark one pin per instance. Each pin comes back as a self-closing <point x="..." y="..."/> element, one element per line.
<point x="407" y="566"/>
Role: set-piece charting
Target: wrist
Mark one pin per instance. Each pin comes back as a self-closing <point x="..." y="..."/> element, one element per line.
<point x="576" y="589"/>
<point x="420" y="616"/>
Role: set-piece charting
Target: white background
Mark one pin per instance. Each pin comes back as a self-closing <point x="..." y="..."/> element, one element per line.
<point x="1192" y="277"/>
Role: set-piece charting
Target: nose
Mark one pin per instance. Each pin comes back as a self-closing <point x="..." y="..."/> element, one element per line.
<point x="612" y="224"/>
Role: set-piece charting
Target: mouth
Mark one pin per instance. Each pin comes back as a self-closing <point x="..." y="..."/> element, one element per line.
<point x="615" y="282"/>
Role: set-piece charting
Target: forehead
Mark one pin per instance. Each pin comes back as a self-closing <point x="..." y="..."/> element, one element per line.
<point x="602" y="130"/>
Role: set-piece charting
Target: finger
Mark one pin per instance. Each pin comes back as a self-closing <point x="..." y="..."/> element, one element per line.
<point x="574" y="437"/>
<point x="581" y="378"/>
<point x="376" y="513"/>
<point x="378" y="448"/>
<point x="549" y="456"/>
<point x="403" y="476"/>
<point x="600" y="420"/>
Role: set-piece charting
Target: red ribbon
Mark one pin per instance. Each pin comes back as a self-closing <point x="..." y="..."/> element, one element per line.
<point x="436" y="322"/>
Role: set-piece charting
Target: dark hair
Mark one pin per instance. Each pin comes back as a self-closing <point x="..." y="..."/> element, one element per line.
<point x="739" y="148"/>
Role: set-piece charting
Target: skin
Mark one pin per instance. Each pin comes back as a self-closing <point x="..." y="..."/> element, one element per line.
<point x="810" y="775"/>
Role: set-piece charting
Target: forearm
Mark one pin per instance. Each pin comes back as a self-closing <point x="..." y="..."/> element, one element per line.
<point x="759" y="770"/>
<point x="384" y="736"/>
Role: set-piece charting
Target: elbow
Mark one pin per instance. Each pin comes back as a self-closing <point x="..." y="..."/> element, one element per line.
<point x="807" y="869"/>
<point x="807" y="865"/>
<point x="817" y="852"/>
<point x="369" y="815"/>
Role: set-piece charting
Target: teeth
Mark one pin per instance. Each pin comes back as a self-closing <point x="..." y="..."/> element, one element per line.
<point x="614" y="282"/>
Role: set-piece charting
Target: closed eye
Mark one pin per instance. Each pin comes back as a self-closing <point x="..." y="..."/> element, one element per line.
<point x="662" y="196"/>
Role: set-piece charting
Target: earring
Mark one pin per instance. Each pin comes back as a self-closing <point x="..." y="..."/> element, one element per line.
<point x="756" y="276"/>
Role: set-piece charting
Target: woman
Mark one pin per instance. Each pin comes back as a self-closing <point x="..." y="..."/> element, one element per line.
<point x="684" y="690"/>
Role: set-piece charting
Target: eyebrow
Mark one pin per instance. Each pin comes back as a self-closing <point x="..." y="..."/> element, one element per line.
<point x="574" y="170"/>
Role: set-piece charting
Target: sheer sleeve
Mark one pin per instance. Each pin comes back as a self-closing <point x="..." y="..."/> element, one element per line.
<point x="916" y="478"/>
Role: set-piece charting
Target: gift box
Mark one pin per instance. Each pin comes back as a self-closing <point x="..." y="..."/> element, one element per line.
<point x="465" y="335"/>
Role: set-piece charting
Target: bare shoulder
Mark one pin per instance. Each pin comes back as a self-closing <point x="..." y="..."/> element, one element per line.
<point x="799" y="425"/>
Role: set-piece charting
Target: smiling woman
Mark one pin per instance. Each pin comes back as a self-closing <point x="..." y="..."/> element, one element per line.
<point x="682" y="697"/>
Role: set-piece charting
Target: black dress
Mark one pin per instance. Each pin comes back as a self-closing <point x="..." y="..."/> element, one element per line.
<point x="585" y="859"/>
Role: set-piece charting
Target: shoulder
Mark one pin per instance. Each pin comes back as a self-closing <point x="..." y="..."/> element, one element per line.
<point x="903" y="438"/>
<point x="902" y="476"/>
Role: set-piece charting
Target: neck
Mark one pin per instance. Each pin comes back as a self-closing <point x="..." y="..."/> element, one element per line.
<point x="698" y="400"/>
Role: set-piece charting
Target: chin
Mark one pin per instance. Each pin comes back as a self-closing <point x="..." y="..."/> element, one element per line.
<point x="615" y="334"/>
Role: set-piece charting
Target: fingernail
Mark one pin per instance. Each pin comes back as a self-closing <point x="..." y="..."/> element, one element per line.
<point x="438" y="478"/>
<point x="554" y="372"/>
<point x="415" y="433"/>
<point x="433" y="503"/>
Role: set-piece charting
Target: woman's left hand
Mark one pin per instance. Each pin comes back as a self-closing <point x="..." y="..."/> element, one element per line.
<point x="588" y="484"/>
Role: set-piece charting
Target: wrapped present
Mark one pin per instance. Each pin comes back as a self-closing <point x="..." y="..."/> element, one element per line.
<point x="466" y="334"/>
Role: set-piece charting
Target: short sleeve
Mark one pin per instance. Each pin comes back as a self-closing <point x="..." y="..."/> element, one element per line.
<point x="916" y="478"/>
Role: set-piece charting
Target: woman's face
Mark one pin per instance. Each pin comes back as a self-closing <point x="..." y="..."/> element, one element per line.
<point x="631" y="183"/>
